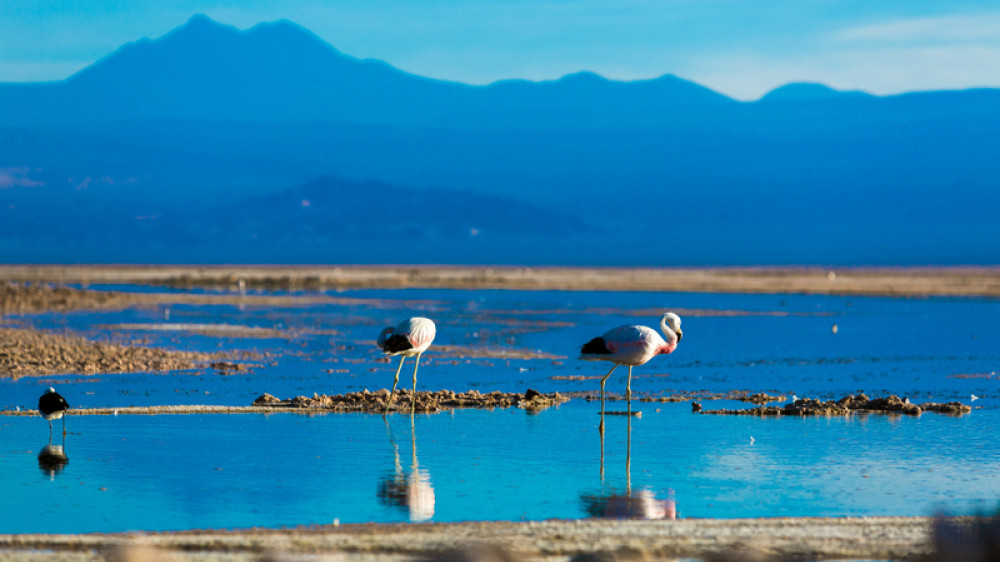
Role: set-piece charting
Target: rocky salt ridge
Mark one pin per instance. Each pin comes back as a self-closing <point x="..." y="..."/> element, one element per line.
<point x="34" y="353"/>
<point x="427" y="401"/>
<point x="760" y="398"/>
<point x="17" y="298"/>
<point x="851" y="404"/>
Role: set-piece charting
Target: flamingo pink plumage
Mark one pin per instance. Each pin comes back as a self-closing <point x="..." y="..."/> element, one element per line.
<point x="410" y="337"/>
<point x="632" y="345"/>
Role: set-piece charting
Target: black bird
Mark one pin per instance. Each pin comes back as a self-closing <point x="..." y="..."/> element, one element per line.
<point x="52" y="407"/>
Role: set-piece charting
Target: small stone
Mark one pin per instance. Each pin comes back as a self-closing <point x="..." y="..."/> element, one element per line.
<point x="266" y="399"/>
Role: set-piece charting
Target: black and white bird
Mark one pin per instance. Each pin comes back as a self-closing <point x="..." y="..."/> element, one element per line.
<point x="52" y="406"/>
<point x="410" y="337"/>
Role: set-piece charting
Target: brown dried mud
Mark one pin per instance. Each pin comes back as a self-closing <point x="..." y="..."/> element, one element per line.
<point x="740" y="395"/>
<point x="854" y="404"/>
<point x="33" y="353"/>
<point x="16" y="298"/>
<point x="403" y="401"/>
<point x="29" y="298"/>
<point x="912" y="281"/>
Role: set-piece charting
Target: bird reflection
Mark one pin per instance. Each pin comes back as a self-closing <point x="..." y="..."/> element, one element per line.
<point x="409" y="491"/>
<point x="52" y="459"/>
<point x="614" y="503"/>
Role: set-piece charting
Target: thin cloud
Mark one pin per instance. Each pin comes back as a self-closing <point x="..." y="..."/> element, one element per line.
<point x="962" y="28"/>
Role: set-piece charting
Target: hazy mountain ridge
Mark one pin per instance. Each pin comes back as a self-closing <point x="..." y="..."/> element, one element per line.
<point x="280" y="71"/>
<point x="214" y="121"/>
<point x="305" y="222"/>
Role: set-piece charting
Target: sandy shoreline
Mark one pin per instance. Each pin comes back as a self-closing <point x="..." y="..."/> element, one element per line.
<point x="913" y="282"/>
<point x="869" y="538"/>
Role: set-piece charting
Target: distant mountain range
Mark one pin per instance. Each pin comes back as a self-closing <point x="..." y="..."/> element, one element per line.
<point x="203" y="144"/>
<point x="282" y="72"/>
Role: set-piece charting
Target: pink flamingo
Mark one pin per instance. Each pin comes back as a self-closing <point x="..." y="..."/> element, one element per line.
<point x="632" y="345"/>
<point x="410" y="337"/>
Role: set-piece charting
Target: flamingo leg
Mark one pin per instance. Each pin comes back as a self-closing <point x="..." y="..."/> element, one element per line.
<point x="415" y="367"/>
<point x="628" y="389"/>
<point x="601" y="430"/>
<point x="604" y="380"/>
<point x="50" y="429"/>
<point x="394" y="383"/>
<point x="628" y="459"/>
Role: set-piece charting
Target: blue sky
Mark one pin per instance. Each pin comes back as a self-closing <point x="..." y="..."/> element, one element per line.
<point x="742" y="48"/>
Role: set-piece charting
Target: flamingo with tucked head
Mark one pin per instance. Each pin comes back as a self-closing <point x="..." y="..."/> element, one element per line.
<point x="410" y="337"/>
<point x="632" y="345"/>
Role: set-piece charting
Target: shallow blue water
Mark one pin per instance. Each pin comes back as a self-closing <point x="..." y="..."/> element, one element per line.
<point x="926" y="349"/>
<point x="175" y="472"/>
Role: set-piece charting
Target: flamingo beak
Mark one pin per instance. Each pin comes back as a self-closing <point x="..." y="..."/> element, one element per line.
<point x="680" y="335"/>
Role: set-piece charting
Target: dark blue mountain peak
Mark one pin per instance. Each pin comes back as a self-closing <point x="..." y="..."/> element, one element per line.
<point x="666" y="88"/>
<point x="201" y="26"/>
<point x="199" y="30"/>
<point x="286" y="30"/>
<point x="809" y="91"/>
<point x="583" y="76"/>
<point x="202" y="32"/>
<point x="281" y="24"/>
<point x="673" y="79"/>
<point x="206" y="53"/>
<point x="201" y="19"/>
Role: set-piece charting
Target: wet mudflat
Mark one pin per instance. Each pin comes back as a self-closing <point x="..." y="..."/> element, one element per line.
<point x="241" y="470"/>
<point x="940" y="349"/>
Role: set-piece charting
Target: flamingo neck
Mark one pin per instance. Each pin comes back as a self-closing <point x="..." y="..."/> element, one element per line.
<point x="671" y="337"/>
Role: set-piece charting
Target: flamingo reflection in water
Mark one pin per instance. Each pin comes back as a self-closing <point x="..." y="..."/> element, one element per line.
<point x="638" y="504"/>
<point x="412" y="492"/>
<point x="52" y="459"/>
